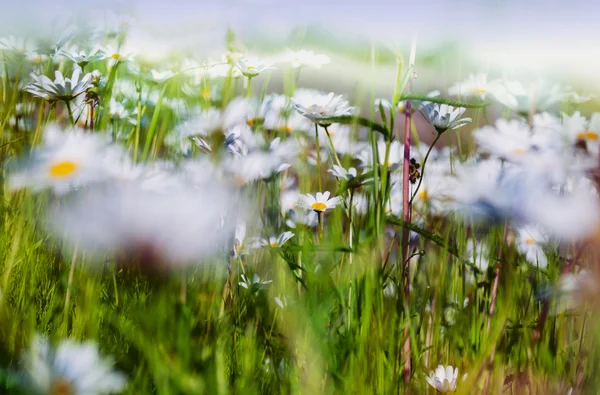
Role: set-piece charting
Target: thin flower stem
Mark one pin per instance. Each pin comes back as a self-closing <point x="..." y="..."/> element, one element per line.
<point x="497" y="277"/>
<point x="320" y="230"/>
<point x="69" y="288"/>
<point x="423" y="168"/>
<point x="70" y="113"/>
<point x="335" y="155"/>
<point x="406" y="214"/>
<point x="318" y="156"/>
<point x="249" y="88"/>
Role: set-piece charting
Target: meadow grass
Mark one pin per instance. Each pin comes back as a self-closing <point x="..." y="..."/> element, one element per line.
<point x="343" y="314"/>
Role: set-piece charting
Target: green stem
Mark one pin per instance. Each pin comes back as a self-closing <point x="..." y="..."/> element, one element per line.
<point x="335" y="155"/>
<point x="318" y="157"/>
<point x="319" y="216"/>
<point x="249" y="88"/>
<point x="70" y="113"/>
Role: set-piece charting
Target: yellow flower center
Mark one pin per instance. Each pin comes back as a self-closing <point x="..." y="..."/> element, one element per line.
<point x="519" y="151"/>
<point x="250" y="122"/>
<point x="480" y="91"/>
<point x="587" y="135"/>
<point x="116" y="56"/>
<point x="423" y="194"/>
<point x="318" y="206"/>
<point x="63" y="169"/>
<point x="61" y="387"/>
<point x="286" y="129"/>
<point x="205" y="93"/>
<point x="529" y="240"/>
<point x="275" y="244"/>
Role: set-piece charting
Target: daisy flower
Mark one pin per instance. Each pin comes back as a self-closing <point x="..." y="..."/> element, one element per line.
<point x="274" y="242"/>
<point x="65" y="89"/>
<point x="530" y="240"/>
<point x="82" y="58"/>
<point x="304" y="57"/>
<point x="67" y="159"/>
<point x="253" y="284"/>
<point x="340" y="172"/>
<point x="70" y="368"/>
<point x="154" y="229"/>
<point x="515" y="96"/>
<point x="252" y="66"/>
<point x="320" y="202"/>
<point x="444" y="117"/>
<point x="581" y="132"/>
<point x="474" y="85"/>
<point x="443" y="379"/>
<point x="318" y="106"/>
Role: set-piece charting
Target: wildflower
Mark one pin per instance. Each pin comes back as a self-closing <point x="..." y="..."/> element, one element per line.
<point x="582" y="133"/>
<point x="395" y="155"/>
<point x="117" y="54"/>
<point x="444" y="117"/>
<point x="175" y="226"/>
<point x="340" y="172"/>
<point x="20" y="45"/>
<point x="539" y="96"/>
<point x="443" y="379"/>
<point x="575" y="289"/>
<point x="71" y="368"/>
<point x="65" y="89"/>
<point x="251" y="66"/>
<point x="304" y="57"/>
<point x="530" y="240"/>
<point x="82" y="58"/>
<point x="238" y="239"/>
<point x="474" y="85"/>
<point x="254" y="284"/>
<point x="274" y="242"/>
<point x="281" y="302"/>
<point x="161" y="76"/>
<point x="301" y="216"/>
<point x="320" y="202"/>
<point x="67" y="159"/>
<point x="318" y="106"/>
<point x="512" y="140"/>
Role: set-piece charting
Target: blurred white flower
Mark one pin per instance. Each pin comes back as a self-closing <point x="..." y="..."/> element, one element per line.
<point x="274" y="242"/>
<point x="71" y="368"/>
<point x="255" y="284"/>
<point x="252" y="66"/>
<point x="318" y="106"/>
<point x="304" y="57"/>
<point x="530" y="242"/>
<point x="583" y="133"/>
<point x="474" y="85"/>
<point x="320" y="202"/>
<point x="67" y="159"/>
<point x="180" y="225"/>
<point x="82" y="58"/>
<point x="340" y="172"/>
<point x="65" y="89"/>
<point x="443" y="379"/>
<point x="538" y="96"/>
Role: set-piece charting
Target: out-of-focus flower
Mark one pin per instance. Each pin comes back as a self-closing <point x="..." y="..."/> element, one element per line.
<point x="474" y="85"/>
<point x="320" y="202"/>
<point x="116" y="54"/>
<point x="252" y="66"/>
<point x="444" y="117"/>
<point x="301" y="216"/>
<point x="537" y="97"/>
<point x="395" y="155"/>
<point x="67" y="159"/>
<point x="179" y="226"/>
<point x="161" y="76"/>
<point x="252" y="163"/>
<point x="65" y="89"/>
<point x="304" y="57"/>
<point x="513" y="140"/>
<point x="530" y="240"/>
<point x="340" y="172"/>
<point x="318" y="106"/>
<point x="71" y="368"/>
<point x="583" y="133"/>
<point x="274" y="242"/>
<point x="574" y="289"/>
<point x="82" y="58"/>
<point x="255" y="284"/>
<point x="20" y="45"/>
<point x="443" y="379"/>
